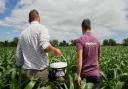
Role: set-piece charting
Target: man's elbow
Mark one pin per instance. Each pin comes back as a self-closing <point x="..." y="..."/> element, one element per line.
<point x="19" y="63"/>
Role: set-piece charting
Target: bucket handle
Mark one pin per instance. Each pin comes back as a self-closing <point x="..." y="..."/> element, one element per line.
<point x="64" y="58"/>
<point x="57" y="59"/>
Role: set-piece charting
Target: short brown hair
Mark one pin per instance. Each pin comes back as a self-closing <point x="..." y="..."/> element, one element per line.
<point x="32" y="15"/>
<point x="86" y="24"/>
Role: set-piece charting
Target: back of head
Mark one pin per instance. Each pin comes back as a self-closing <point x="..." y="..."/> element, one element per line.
<point x="33" y="14"/>
<point x="86" y="24"/>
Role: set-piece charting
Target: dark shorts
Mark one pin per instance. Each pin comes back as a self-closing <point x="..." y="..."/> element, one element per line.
<point x="93" y="79"/>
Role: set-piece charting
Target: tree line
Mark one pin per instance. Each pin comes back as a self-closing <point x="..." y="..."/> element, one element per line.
<point x="112" y="42"/>
<point x="106" y="42"/>
<point x="54" y="42"/>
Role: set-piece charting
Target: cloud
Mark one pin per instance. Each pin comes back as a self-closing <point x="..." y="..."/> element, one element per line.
<point x="2" y="6"/>
<point x="7" y="33"/>
<point x="64" y="17"/>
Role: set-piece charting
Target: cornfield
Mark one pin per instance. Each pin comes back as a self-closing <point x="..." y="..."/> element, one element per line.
<point x="113" y="67"/>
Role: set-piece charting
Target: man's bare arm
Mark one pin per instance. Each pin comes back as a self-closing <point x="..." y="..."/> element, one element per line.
<point x="53" y="50"/>
<point x="79" y="61"/>
<point x="99" y="52"/>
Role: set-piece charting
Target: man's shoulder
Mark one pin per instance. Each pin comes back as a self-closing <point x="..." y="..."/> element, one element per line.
<point x="96" y="40"/>
<point x="43" y="27"/>
<point x="80" y="39"/>
<point x="23" y="31"/>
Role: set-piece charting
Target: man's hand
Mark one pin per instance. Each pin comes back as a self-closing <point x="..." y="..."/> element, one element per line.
<point x="79" y="81"/>
<point x="57" y="52"/>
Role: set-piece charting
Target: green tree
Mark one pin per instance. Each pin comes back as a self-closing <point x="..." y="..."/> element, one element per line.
<point x="1" y="44"/>
<point x="73" y="42"/>
<point x="105" y="42"/>
<point x="63" y="43"/>
<point x="6" y="43"/>
<point x="54" y="42"/>
<point x="112" y="42"/>
<point x="125" y="42"/>
<point x="14" y="42"/>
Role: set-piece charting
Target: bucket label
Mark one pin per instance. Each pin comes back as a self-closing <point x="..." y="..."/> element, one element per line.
<point x="60" y="73"/>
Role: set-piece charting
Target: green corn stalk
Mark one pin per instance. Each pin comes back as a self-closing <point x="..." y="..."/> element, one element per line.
<point x="31" y="84"/>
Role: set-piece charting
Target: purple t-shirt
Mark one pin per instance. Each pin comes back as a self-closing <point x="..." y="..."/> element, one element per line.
<point x="91" y="52"/>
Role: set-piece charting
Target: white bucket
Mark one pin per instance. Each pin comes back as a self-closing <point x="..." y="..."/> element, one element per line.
<point x="58" y="65"/>
<point x="57" y="71"/>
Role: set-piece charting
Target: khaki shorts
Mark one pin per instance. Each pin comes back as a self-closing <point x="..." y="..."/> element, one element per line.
<point x="42" y="75"/>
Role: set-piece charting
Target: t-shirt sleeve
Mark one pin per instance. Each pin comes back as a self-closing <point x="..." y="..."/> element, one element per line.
<point x="78" y="45"/>
<point x="44" y="38"/>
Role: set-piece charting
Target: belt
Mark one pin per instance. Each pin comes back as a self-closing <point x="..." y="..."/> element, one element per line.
<point x="37" y="69"/>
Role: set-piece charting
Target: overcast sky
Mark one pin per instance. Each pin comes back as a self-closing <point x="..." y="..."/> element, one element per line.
<point x="63" y="17"/>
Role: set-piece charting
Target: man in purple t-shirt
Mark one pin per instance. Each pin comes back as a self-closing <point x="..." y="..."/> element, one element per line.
<point x="88" y="52"/>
